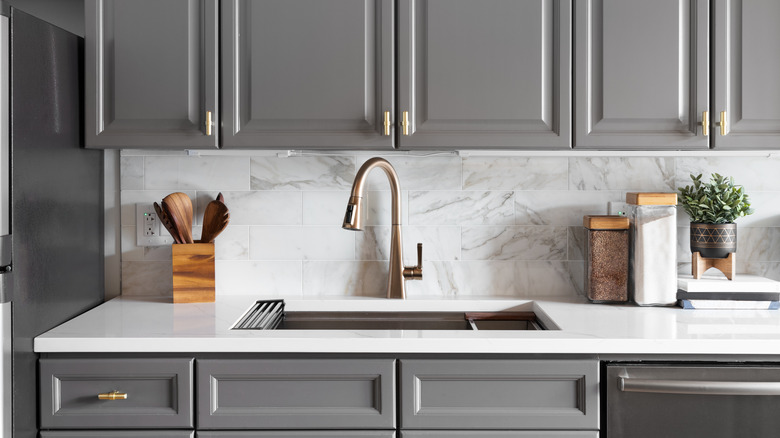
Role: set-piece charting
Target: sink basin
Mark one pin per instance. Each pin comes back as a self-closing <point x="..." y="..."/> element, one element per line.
<point x="401" y="320"/>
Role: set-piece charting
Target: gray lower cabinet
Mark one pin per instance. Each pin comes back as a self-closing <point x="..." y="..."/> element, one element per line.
<point x="301" y="434"/>
<point x="746" y="68"/>
<point x="641" y="73"/>
<point x="116" y="394"/>
<point x="492" y="74"/>
<point x="117" y="434"/>
<point x="151" y="74"/>
<point x="308" y="74"/>
<point x="499" y="394"/>
<point x="498" y="434"/>
<point x="296" y="394"/>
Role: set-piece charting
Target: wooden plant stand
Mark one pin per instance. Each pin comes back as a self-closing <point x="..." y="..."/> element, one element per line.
<point x="727" y="266"/>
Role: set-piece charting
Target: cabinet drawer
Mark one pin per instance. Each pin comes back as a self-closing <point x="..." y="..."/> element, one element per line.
<point x="117" y="434"/>
<point x="159" y="393"/>
<point x="301" y="434"/>
<point x="296" y="394"/>
<point x="497" y="434"/>
<point x="499" y="394"/>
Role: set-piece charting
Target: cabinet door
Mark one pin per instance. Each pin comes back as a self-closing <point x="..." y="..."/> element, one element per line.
<point x="151" y="73"/>
<point x="485" y="73"/>
<point x="296" y="394"/>
<point x="307" y="73"/>
<point x="641" y="73"/>
<point x="746" y="74"/>
<point x="499" y="394"/>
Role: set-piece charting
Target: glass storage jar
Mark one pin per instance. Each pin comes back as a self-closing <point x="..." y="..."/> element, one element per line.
<point x="653" y="216"/>
<point x="606" y="258"/>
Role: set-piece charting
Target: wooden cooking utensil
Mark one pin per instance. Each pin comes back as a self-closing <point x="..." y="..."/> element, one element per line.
<point x="166" y="221"/>
<point x="220" y="198"/>
<point x="178" y="206"/>
<point x="215" y="219"/>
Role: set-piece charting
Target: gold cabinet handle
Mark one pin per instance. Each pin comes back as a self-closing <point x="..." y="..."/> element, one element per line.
<point x="705" y="123"/>
<point x="405" y="122"/>
<point x="387" y="122"/>
<point x="113" y="395"/>
<point x="208" y="123"/>
<point x="722" y="123"/>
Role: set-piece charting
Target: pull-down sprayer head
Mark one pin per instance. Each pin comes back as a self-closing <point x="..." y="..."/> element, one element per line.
<point x="353" y="218"/>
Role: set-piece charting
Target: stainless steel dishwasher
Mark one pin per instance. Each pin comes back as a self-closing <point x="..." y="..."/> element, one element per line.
<point x="692" y="400"/>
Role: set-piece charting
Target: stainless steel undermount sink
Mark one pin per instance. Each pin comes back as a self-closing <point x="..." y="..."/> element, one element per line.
<point x="270" y="315"/>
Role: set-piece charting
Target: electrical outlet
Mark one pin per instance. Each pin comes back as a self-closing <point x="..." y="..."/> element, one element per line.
<point x="149" y="229"/>
<point x="617" y="208"/>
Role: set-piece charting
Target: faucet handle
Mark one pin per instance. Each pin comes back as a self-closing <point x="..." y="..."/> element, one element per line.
<point x="415" y="272"/>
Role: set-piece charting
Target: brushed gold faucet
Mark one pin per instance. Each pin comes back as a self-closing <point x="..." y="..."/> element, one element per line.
<point x="353" y="220"/>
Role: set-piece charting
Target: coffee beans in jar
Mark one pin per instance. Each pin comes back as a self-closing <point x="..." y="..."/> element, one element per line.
<point x="606" y="258"/>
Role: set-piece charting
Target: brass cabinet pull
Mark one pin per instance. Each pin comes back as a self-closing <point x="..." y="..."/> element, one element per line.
<point x="387" y="122"/>
<point x="113" y="395"/>
<point x="208" y="123"/>
<point x="705" y="123"/>
<point x="405" y="122"/>
<point x="722" y="123"/>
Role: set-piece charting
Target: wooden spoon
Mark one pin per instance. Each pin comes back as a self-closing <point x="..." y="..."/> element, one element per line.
<point x="166" y="221"/>
<point x="179" y="208"/>
<point x="215" y="220"/>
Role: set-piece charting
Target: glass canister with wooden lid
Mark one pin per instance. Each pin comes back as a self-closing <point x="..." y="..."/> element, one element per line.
<point x="606" y="258"/>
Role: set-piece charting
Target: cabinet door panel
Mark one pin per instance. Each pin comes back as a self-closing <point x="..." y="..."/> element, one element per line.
<point x="489" y="73"/>
<point x="300" y="434"/>
<point x="499" y="434"/>
<point x="151" y="73"/>
<point x="746" y="72"/>
<point x="499" y="394"/>
<point x="641" y="73"/>
<point x="296" y="394"/>
<point x="307" y="73"/>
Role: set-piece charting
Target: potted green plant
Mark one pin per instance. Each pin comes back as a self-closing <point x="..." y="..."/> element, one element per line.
<point x="713" y="207"/>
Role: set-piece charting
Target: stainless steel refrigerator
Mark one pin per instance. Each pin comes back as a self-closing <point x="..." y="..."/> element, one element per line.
<point x="51" y="210"/>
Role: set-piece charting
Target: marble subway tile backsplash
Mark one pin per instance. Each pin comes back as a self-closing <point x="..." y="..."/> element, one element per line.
<point x="502" y="226"/>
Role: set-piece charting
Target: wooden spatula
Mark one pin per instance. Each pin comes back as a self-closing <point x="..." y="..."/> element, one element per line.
<point x="215" y="219"/>
<point x="166" y="221"/>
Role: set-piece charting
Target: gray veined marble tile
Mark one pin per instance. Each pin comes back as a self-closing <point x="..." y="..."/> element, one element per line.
<point x="439" y="243"/>
<point x="378" y="208"/>
<point x="211" y="172"/>
<point x="301" y="243"/>
<point x="561" y="207"/>
<point x="758" y="244"/>
<point x="577" y="243"/>
<point x="131" y="171"/>
<point x="324" y="208"/>
<point x="754" y="173"/>
<point x="545" y="279"/>
<point x="302" y="173"/>
<point x="461" y="208"/>
<point x="233" y="243"/>
<point x="515" y="173"/>
<point x="345" y="278"/>
<point x="418" y="173"/>
<point x="257" y="207"/>
<point x="147" y="278"/>
<point x="514" y="243"/>
<point x="648" y="174"/>
<point x="266" y="278"/>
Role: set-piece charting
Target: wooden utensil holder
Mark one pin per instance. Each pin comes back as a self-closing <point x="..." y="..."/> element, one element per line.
<point x="193" y="272"/>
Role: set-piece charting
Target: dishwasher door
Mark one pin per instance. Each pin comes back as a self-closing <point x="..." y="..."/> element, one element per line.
<point x="692" y="400"/>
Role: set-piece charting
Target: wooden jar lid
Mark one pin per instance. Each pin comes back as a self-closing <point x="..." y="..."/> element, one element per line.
<point x="603" y="222"/>
<point x="650" y="198"/>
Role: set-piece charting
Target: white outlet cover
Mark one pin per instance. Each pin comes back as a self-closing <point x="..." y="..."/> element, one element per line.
<point x="146" y="216"/>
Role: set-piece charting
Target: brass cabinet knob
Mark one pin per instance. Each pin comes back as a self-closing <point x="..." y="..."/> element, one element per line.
<point x="705" y="123"/>
<point x="113" y="395"/>
<point x="209" y="123"/>
<point x="387" y="122"/>
<point x="405" y="122"/>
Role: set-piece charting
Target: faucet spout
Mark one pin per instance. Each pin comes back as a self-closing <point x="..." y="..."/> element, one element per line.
<point x="353" y="220"/>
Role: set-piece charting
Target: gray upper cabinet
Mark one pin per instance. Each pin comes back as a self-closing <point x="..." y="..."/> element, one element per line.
<point x="745" y="76"/>
<point x="151" y="76"/>
<point x="307" y="73"/>
<point x="484" y="74"/>
<point x="641" y="73"/>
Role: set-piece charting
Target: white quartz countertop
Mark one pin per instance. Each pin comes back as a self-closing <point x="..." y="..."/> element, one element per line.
<point x="130" y="325"/>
